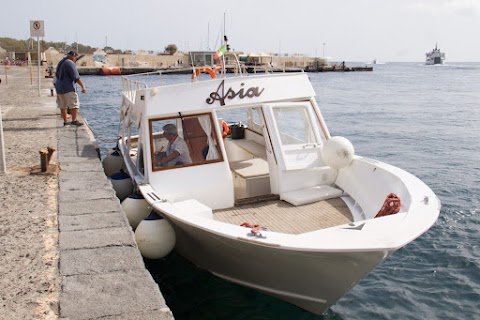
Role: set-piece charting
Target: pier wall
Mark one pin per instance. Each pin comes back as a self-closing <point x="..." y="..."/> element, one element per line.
<point x="66" y="247"/>
<point x="166" y="61"/>
<point x="102" y="271"/>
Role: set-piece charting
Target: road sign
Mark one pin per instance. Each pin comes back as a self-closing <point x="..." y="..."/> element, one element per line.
<point x="37" y="28"/>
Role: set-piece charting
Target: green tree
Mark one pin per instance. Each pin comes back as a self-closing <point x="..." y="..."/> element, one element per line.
<point x="171" y="49"/>
<point x="108" y="49"/>
<point x="15" y="45"/>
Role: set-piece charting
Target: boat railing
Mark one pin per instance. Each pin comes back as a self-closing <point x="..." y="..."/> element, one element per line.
<point x="131" y="83"/>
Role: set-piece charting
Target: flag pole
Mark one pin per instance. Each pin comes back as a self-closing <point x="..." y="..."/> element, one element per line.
<point x="225" y="44"/>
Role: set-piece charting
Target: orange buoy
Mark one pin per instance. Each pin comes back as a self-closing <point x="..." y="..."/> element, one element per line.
<point x="208" y="70"/>
<point x="226" y="130"/>
<point x="110" y="71"/>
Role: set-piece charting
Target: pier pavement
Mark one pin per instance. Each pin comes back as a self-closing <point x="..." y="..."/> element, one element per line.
<point x="66" y="249"/>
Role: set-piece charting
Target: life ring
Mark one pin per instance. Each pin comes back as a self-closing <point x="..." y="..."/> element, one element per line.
<point x="226" y="130"/>
<point x="208" y="70"/>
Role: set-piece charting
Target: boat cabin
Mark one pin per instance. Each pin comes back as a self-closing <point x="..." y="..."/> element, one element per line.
<point x="273" y="149"/>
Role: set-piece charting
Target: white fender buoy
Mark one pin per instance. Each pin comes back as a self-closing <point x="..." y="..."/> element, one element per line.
<point x="136" y="208"/>
<point x="155" y="236"/>
<point x="112" y="163"/>
<point x="338" y="152"/>
<point x="122" y="184"/>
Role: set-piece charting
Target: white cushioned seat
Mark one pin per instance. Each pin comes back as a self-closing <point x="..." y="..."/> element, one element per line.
<point x="309" y="195"/>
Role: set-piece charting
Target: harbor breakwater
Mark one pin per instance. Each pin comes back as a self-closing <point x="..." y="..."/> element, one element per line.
<point x="179" y="63"/>
<point x="93" y="71"/>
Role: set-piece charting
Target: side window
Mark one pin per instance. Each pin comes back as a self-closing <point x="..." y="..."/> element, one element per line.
<point x="183" y="141"/>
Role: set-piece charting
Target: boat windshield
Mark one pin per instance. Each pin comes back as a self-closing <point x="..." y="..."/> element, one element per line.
<point x="182" y="141"/>
<point x="294" y="126"/>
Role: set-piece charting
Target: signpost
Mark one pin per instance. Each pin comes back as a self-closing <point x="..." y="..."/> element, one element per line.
<point x="3" y="165"/>
<point x="37" y="29"/>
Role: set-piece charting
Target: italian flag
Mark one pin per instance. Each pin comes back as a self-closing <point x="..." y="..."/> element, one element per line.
<point x="219" y="52"/>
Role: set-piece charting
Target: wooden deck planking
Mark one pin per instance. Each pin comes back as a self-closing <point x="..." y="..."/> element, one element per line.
<point x="280" y="216"/>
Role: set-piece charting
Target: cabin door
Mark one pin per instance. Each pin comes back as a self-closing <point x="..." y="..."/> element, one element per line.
<point x="294" y="134"/>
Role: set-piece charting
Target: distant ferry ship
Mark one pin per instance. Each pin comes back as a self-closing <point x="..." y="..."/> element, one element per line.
<point x="435" y="57"/>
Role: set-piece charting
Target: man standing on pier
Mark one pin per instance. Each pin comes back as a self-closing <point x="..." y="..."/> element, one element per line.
<point x="66" y="77"/>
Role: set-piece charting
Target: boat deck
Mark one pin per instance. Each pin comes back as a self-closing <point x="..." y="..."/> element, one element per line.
<point x="280" y="216"/>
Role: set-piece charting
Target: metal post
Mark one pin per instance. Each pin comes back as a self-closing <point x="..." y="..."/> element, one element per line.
<point x="3" y="165"/>
<point x="31" y="75"/>
<point x="38" y="58"/>
<point x="50" y="150"/>
<point x="43" y="160"/>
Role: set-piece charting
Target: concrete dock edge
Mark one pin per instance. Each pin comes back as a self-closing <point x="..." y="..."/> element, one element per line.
<point x="102" y="271"/>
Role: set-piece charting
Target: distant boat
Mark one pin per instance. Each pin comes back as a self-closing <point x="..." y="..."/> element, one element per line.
<point x="99" y="58"/>
<point x="435" y="57"/>
<point x="376" y="61"/>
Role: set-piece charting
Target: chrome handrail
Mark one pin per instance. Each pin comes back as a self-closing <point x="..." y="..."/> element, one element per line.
<point x="131" y="86"/>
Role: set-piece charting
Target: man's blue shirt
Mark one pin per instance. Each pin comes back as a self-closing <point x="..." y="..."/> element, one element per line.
<point x="67" y="76"/>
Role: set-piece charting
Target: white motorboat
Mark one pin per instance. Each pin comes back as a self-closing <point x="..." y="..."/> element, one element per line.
<point x="435" y="56"/>
<point x="278" y="205"/>
<point x="376" y="61"/>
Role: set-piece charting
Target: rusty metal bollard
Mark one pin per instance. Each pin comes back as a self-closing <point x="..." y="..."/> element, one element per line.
<point x="43" y="160"/>
<point x="50" y="150"/>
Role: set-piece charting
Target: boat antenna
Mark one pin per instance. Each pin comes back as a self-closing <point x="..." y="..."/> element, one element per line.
<point x="227" y="49"/>
<point x="225" y="42"/>
<point x="208" y="37"/>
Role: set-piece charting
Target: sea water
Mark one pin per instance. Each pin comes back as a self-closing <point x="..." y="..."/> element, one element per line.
<point x="423" y="119"/>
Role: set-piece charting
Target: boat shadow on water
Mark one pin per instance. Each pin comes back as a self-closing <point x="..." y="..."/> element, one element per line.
<point x="193" y="293"/>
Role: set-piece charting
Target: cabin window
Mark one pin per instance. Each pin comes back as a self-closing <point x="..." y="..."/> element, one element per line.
<point x="183" y="141"/>
<point x="250" y="116"/>
<point x="294" y="125"/>
<point x="234" y="115"/>
<point x="256" y="118"/>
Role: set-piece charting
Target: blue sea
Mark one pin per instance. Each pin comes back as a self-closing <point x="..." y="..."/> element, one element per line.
<point x="424" y="119"/>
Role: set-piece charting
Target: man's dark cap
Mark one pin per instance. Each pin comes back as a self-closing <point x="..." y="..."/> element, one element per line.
<point x="72" y="53"/>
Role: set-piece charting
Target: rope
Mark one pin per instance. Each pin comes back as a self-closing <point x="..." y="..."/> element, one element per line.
<point x="391" y="205"/>
<point x="255" y="229"/>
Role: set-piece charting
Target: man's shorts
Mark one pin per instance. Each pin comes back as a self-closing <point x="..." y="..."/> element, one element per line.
<point x="68" y="100"/>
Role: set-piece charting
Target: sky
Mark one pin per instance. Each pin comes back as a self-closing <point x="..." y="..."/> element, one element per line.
<point x="345" y="30"/>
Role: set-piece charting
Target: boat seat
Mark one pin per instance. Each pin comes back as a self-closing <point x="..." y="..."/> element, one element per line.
<point x="250" y="178"/>
<point x="309" y="195"/>
<point x="250" y="168"/>
<point x="252" y="147"/>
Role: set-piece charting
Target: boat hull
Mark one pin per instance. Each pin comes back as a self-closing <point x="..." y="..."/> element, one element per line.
<point x="431" y="62"/>
<point x="311" y="280"/>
